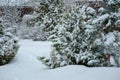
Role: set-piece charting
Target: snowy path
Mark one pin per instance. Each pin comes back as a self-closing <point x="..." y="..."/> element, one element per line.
<point x="25" y="66"/>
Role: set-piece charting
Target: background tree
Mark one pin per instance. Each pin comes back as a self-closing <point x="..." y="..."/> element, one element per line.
<point x="11" y="12"/>
<point x="49" y="13"/>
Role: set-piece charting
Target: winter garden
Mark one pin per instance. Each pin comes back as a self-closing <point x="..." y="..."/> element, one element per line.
<point x="57" y="40"/>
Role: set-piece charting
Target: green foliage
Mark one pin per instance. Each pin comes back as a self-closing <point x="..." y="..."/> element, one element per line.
<point x="49" y="14"/>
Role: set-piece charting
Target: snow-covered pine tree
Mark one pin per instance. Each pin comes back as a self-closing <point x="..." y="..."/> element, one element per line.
<point x="49" y="14"/>
<point x="74" y="43"/>
<point x="106" y="20"/>
<point x="108" y="15"/>
<point x="8" y="44"/>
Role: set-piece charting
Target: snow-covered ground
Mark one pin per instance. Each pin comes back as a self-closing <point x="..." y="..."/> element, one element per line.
<point x="25" y="66"/>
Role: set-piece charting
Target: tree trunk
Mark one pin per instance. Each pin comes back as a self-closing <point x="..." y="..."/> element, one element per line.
<point x="107" y="56"/>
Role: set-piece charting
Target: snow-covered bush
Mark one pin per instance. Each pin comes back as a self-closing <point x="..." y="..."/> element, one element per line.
<point x="8" y="44"/>
<point x="73" y="43"/>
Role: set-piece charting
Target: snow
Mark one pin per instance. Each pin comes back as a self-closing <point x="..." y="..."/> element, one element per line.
<point x="91" y="11"/>
<point x="101" y="18"/>
<point x="110" y="38"/>
<point x="25" y="66"/>
<point x="29" y="17"/>
<point x="110" y="2"/>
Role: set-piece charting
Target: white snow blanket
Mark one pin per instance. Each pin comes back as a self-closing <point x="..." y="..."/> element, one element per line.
<point x="25" y="66"/>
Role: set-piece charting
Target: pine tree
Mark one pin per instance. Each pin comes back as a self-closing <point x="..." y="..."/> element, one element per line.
<point x="8" y="44"/>
<point x="49" y="14"/>
<point x="74" y="42"/>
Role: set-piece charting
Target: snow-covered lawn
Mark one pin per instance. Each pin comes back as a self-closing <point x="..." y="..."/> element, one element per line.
<point x="25" y="66"/>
